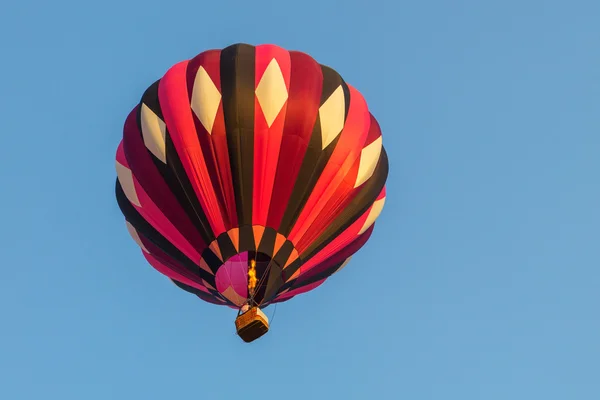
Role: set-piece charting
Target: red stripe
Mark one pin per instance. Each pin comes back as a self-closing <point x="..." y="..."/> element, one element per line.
<point x="174" y="101"/>
<point x="382" y="194"/>
<point x="267" y="140"/>
<point x="347" y="150"/>
<point x="336" y="204"/>
<point x="214" y="144"/>
<point x="306" y="82"/>
<point x="210" y="61"/>
<point x="342" y="197"/>
<point x="374" y="131"/>
<point x="219" y="139"/>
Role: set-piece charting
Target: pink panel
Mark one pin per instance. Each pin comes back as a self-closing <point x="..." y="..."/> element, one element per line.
<point x="234" y="272"/>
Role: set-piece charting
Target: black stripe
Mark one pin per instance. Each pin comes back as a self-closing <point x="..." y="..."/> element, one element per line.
<point x="331" y="81"/>
<point x="284" y="253"/>
<point x="281" y="258"/>
<point x="150" y="99"/>
<point x="274" y="282"/>
<point x="237" y="89"/>
<point x="226" y="246"/>
<point x="287" y="285"/>
<point x="267" y="242"/>
<point x="211" y="259"/>
<point x="247" y="239"/>
<point x="292" y="268"/>
<point x="263" y="261"/>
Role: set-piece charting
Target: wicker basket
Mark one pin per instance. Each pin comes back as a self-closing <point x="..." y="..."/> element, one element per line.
<point x="252" y="324"/>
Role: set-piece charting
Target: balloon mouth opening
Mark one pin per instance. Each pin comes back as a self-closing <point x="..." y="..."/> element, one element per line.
<point x="259" y="266"/>
<point x="244" y="278"/>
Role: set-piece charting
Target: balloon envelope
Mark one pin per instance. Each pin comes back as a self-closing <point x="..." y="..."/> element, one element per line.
<point x="250" y="153"/>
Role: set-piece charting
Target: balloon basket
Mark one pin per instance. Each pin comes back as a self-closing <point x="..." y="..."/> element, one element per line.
<point x="252" y="324"/>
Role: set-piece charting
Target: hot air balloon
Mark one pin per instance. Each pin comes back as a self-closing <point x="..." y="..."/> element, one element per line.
<point x="248" y="175"/>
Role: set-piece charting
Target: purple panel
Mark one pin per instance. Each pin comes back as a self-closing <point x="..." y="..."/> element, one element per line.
<point x="234" y="272"/>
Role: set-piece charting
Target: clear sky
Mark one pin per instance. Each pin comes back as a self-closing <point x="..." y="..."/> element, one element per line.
<point x="483" y="270"/>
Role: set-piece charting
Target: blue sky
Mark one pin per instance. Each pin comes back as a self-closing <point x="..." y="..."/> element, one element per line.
<point x="483" y="268"/>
